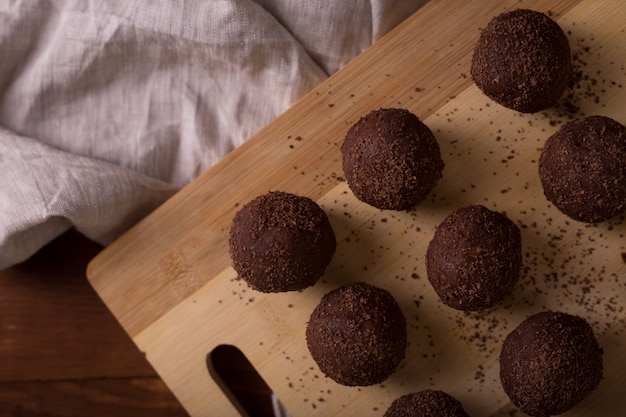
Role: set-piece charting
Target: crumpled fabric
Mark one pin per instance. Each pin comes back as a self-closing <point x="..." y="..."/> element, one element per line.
<point x="108" y="108"/>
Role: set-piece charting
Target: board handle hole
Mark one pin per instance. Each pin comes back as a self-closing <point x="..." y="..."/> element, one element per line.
<point x="242" y="384"/>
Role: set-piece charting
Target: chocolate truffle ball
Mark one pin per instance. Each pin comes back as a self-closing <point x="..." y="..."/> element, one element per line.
<point x="357" y="334"/>
<point x="281" y="242"/>
<point x="582" y="168"/>
<point x="522" y="61"/>
<point x="391" y="159"/>
<point x="549" y="363"/>
<point x="428" y="403"/>
<point x="474" y="258"/>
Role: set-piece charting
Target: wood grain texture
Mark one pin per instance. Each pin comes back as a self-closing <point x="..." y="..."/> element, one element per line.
<point x="92" y="397"/>
<point x="48" y="309"/>
<point x="169" y="283"/>
<point x="62" y="353"/>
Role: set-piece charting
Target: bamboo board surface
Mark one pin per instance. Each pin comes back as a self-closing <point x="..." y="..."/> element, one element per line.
<point x="169" y="281"/>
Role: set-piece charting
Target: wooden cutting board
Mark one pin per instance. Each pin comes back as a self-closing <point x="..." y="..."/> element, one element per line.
<point x="169" y="281"/>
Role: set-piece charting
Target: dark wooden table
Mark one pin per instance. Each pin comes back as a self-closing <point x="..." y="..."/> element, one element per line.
<point x="62" y="353"/>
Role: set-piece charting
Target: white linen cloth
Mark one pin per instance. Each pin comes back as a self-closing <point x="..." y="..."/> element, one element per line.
<point x="107" y="108"/>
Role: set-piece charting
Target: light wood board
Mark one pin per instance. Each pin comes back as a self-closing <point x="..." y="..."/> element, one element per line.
<point x="169" y="281"/>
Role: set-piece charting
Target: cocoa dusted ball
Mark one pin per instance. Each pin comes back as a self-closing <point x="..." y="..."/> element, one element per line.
<point x="428" y="403"/>
<point x="582" y="168"/>
<point x="522" y="61"/>
<point x="549" y="363"/>
<point x="357" y="334"/>
<point x="391" y="159"/>
<point x="281" y="242"/>
<point x="474" y="258"/>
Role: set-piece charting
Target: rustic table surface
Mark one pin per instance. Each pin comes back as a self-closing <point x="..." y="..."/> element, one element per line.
<point x="62" y="353"/>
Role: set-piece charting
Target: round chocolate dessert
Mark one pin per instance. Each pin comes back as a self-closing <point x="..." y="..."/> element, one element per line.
<point x="582" y="168"/>
<point x="522" y="61"/>
<point x="281" y="242"/>
<point x="391" y="159"/>
<point x="549" y="363"/>
<point x="428" y="403"/>
<point x="357" y="334"/>
<point x="474" y="258"/>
